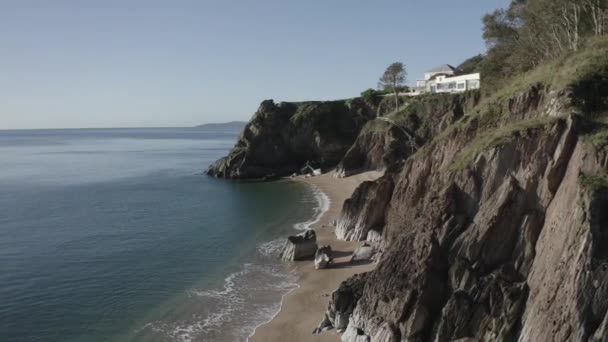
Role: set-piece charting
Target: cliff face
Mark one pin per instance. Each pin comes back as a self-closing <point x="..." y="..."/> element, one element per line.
<point x="491" y="215"/>
<point x="382" y="144"/>
<point x="281" y="138"/>
<point x="497" y="229"/>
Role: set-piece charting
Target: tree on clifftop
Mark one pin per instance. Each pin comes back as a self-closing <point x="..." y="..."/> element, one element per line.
<point x="393" y="79"/>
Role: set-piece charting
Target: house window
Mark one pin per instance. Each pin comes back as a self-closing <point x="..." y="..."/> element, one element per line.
<point x="460" y="85"/>
<point x="473" y="84"/>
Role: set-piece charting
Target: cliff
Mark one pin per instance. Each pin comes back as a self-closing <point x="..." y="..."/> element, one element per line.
<point x="383" y="143"/>
<point x="282" y="138"/>
<point x="496" y="229"/>
<point x="491" y="215"/>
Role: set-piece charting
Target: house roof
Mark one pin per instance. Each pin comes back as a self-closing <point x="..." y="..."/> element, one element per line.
<point x="445" y="68"/>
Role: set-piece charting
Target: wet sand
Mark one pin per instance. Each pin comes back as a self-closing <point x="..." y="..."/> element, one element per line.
<point x="303" y="308"/>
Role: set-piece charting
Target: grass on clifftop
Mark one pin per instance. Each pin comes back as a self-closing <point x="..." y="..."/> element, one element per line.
<point x="563" y="74"/>
<point x="495" y="138"/>
<point x="399" y="116"/>
<point x="491" y="122"/>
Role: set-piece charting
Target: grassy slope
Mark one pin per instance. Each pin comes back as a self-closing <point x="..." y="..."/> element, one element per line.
<point x="492" y="125"/>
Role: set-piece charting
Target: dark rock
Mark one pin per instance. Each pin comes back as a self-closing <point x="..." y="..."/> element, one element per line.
<point x="365" y="210"/>
<point x="381" y="144"/>
<point x="342" y="303"/>
<point x="281" y="138"/>
<point x="507" y="246"/>
<point x="300" y="247"/>
<point x="323" y="257"/>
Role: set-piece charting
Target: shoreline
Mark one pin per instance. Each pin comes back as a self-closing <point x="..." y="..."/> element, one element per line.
<point x="303" y="307"/>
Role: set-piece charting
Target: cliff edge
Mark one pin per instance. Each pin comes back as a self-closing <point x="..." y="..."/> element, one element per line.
<point x="283" y="138"/>
<point x="496" y="229"/>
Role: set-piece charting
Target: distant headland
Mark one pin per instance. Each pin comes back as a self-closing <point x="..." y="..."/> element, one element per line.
<point x="238" y="125"/>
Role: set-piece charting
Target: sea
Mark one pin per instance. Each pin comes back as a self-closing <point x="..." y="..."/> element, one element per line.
<point x="118" y="235"/>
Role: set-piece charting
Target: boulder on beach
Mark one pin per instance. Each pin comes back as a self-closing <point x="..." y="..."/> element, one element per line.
<point x="363" y="253"/>
<point x="300" y="247"/>
<point x="323" y="257"/>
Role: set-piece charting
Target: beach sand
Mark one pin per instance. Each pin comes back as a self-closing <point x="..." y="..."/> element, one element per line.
<point x="303" y="308"/>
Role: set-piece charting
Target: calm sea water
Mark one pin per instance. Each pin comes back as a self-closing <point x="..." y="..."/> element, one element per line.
<point x="116" y="235"/>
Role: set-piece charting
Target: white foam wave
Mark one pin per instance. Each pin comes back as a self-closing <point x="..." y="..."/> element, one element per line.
<point x="274" y="247"/>
<point x="271" y="248"/>
<point x="322" y="206"/>
<point x="275" y="312"/>
<point x="234" y="303"/>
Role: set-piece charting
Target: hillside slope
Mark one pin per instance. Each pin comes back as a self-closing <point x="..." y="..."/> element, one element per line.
<point x="497" y="229"/>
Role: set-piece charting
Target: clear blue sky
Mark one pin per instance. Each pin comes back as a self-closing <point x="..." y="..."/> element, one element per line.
<point x="125" y="63"/>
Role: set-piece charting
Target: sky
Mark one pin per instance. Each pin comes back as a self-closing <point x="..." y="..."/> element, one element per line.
<point x="176" y="63"/>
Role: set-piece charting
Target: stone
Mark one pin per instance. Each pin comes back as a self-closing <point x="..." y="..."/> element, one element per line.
<point x="323" y="326"/>
<point x="323" y="257"/>
<point x="362" y="253"/>
<point x="342" y="303"/>
<point x="365" y="209"/>
<point x="374" y="236"/>
<point x="300" y="247"/>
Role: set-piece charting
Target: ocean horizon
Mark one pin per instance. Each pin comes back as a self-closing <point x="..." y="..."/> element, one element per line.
<point x="115" y="234"/>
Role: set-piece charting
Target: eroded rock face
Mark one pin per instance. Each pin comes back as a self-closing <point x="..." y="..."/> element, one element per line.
<point x="342" y="304"/>
<point x="365" y="210"/>
<point x="300" y="247"/>
<point x="381" y="145"/>
<point x="509" y="246"/>
<point x="281" y="138"/>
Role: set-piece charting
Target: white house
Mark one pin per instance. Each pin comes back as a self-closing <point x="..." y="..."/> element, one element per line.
<point x="446" y="79"/>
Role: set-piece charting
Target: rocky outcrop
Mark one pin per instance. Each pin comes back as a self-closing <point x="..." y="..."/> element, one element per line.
<point x="364" y="211"/>
<point x="496" y="230"/>
<point x="323" y="257"/>
<point x="343" y="302"/>
<point x="382" y="144"/>
<point x="282" y="138"/>
<point x="492" y="221"/>
<point x="300" y="247"/>
<point x="476" y="253"/>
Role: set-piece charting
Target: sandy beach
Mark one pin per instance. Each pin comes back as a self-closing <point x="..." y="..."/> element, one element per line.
<point x="303" y="308"/>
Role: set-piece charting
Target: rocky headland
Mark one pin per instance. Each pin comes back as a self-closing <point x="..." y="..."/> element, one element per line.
<point x="491" y="216"/>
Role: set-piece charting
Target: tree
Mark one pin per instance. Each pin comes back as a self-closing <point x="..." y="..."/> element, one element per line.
<point x="393" y="79"/>
<point x="471" y="65"/>
<point x="597" y="10"/>
<point x="531" y="32"/>
<point x="370" y="95"/>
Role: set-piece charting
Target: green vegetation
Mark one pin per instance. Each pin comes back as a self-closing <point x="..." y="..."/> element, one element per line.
<point x="400" y="116"/>
<point x="563" y="74"/>
<point x="538" y="51"/>
<point x="599" y="139"/>
<point x="497" y="137"/>
<point x="490" y="121"/>
<point x="531" y="33"/>
<point x="471" y="65"/>
<point x="370" y="95"/>
<point x="594" y="182"/>
<point x="304" y="110"/>
<point x="393" y="79"/>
